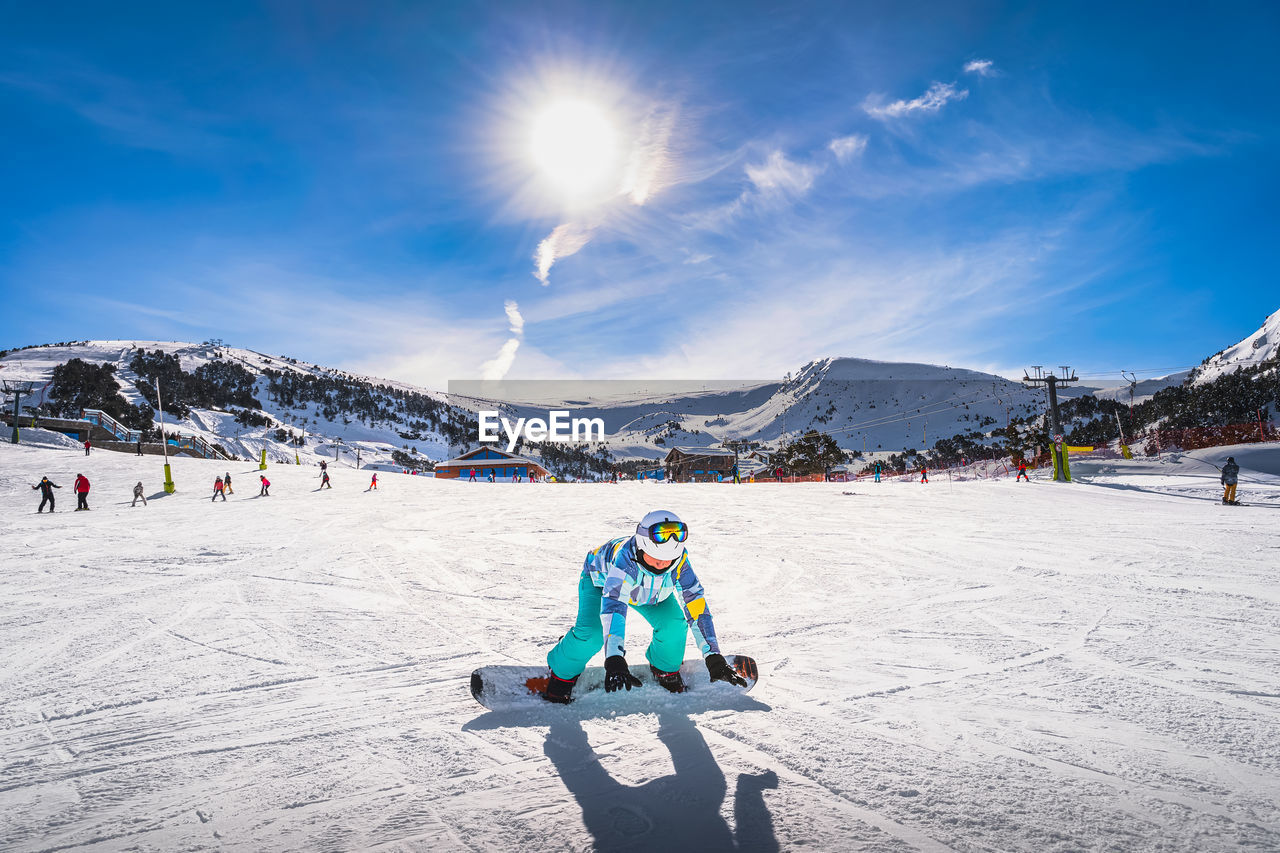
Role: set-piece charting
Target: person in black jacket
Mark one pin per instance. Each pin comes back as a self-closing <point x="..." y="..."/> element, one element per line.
<point x="1230" y="477"/>
<point x="46" y="487"/>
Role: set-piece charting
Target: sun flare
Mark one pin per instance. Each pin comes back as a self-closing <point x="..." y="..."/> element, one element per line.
<point x="575" y="146"/>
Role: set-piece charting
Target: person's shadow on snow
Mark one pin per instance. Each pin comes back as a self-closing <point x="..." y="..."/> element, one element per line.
<point x="678" y="812"/>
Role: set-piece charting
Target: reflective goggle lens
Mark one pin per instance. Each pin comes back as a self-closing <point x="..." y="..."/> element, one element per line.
<point x="665" y="531"/>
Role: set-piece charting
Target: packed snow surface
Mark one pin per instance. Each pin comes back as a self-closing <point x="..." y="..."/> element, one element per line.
<point x="976" y="666"/>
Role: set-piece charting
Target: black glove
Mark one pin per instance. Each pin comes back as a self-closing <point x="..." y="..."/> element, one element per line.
<point x="617" y="675"/>
<point x="720" y="670"/>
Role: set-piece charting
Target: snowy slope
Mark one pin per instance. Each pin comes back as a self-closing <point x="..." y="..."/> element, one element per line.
<point x="1262" y="345"/>
<point x="940" y="669"/>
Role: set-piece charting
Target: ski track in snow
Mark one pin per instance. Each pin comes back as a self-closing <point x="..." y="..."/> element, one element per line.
<point x="980" y="666"/>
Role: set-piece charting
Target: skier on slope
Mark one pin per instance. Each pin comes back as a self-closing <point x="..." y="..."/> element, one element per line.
<point x="924" y="474"/>
<point x="1230" y="478"/>
<point x="1022" y="472"/>
<point x="473" y="476"/>
<point x="81" y="487"/>
<point x="219" y="489"/>
<point x="46" y="487"/>
<point x="879" y="467"/>
<point x="266" y="484"/>
<point x="373" y="484"/>
<point x="324" y="481"/>
<point x="137" y="493"/>
<point x="226" y="484"/>
<point x="86" y="447"/>
<point x="642" y="572"/>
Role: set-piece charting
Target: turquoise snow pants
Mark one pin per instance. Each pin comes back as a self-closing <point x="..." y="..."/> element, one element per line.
<point x="576" y="649"/>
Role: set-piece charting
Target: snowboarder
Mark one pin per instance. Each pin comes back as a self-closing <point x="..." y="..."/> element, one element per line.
<point x="266" y="484"/>
<point x="645" y="572"/>
<point x="473" y="475"/>
<point x="137" y="493"/>
<point x="324" y="481"/>
<point x="1230" y="478"/>
<point x="373" y="484"/>
<point x="924" y="474"/>
<point x="226" y="484"/>
<point x="86" y="447"/>
<point x="1022" y="472"/>
<point x="46" y="487"/>
<point x="219" y="488"/>
<point x="81" y="487"/>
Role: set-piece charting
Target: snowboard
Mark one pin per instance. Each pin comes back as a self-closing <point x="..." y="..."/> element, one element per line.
<point x="503" y="688"/>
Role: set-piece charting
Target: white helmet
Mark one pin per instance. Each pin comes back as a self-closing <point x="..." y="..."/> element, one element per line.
<point x="661" y="535"/>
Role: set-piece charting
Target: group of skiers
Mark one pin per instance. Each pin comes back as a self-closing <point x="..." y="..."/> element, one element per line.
<point x="221" y="488"/>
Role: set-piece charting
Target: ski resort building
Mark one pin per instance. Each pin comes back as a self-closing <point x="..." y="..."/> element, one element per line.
<point x="698" y="464"/>
<point x="486" y="459"/>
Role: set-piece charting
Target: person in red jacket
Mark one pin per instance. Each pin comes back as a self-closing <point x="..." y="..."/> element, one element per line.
<point x="82" y="492"/>
<point x="266" y="484"/>
<point x="86" y="447"/>
<point x="473" y="476"/>
<point x="219" y="490"/>
<point x="1022" y="472"/>
<point x="924" y="474"/>
<point x="373" y="484"/>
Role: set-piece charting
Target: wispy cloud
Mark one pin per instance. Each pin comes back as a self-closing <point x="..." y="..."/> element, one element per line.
<point x="847" y="147"/>
<point x="513" y="317"/>
<point x="937" y="97"/>
<point x="649" y="163"/>
<point x="981" y="67"/>
<point x="780" y="175"/>
<point x="498" y="366"/>
<point x="565" y="240"/>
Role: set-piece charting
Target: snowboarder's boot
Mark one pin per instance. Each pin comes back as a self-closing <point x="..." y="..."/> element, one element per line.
<point x="559" y="690"/>
<point x="668" y="680"/>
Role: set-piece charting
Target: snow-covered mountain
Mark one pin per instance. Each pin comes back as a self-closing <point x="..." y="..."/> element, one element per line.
<point x="1258" y="347"/>
<point x="868" y="406"/>
<point x="865" y="405"/>
<point x="320" y="426"/>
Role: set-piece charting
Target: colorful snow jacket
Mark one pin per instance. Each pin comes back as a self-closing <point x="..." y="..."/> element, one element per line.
<point x="1230" y="474"/>
<point x="82" y="484"/>
<point x="615" y="569"/>
<point x="46" y="487"/>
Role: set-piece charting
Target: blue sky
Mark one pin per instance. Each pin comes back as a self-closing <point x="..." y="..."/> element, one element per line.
<point x="985" y="185"/>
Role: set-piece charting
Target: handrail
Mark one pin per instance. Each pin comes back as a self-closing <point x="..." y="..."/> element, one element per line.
<point x="183" y="442"/>
<point x="110" y="424"/>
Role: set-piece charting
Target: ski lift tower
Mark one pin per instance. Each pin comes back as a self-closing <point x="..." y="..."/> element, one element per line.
<point x="18" y="388"/>
<point x="1061" y="470"/>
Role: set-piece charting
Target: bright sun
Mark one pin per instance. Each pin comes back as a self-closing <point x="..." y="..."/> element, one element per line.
<point x="575" y="145"/>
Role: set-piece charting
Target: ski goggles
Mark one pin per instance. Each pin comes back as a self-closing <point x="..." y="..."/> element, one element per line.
<point x="665" y="531"/>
